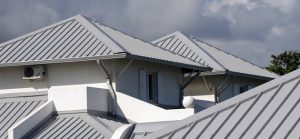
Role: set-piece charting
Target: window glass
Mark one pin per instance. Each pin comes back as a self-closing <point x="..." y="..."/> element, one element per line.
<point x="152" y="87"/>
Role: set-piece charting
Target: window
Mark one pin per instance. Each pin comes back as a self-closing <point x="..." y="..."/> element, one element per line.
<point x="151" y="83"/>
<point x="150" y="86"/>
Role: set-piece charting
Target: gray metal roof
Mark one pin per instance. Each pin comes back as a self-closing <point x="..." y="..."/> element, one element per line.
<point x="13" y="108"/>
<point x="81" y="39"/>
<point x="268" y="111"/>
<point x="136" y="47"/>
<point x="76" y="125"/>
<point x="141" y="130"/>
<point x="203" y="53"/>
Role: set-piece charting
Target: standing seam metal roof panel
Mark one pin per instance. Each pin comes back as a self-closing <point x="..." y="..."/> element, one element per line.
<point x="268" y="111"/>
<point x="77" y="39"/>
<point x="51" y="42"/>
<point x="137" y="47"/>
<point x="13" y="109"/>
<point x="213" y="57"/>
<point x="76" y="125"/>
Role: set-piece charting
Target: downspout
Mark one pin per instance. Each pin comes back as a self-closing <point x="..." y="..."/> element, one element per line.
<point x="185" y="85"/>
<point x="110" y="87"/>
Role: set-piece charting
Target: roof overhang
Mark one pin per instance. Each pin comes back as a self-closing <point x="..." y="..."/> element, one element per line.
<point x="209" y="73"/>
<point x="249" y="75"/>
<point x="54" y="61"/>
<point x="235" y="74"/>
<point x="170" y="63"/>
<point x="115" y="56"/>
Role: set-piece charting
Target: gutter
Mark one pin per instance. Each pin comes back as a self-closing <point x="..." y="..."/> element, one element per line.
<point x="110" y="87"/>
<point x="249" y="75"/>
<point x="65" y="60"/>
<point x="170" y="63"/>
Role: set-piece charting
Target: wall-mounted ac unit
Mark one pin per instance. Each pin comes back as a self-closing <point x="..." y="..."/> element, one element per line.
<point x="34" y="72"/>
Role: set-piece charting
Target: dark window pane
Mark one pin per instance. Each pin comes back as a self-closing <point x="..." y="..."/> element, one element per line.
<point x="150" y="87"/>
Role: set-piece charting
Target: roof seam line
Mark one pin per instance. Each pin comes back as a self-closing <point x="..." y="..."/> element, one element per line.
<point x="227" y="118"/>
<point x="106" y="35"/>
<point x="261" y="111"/>
<point x="208" y="124"/>
<point x="257" y="97"/>
<point x="280" y="105"/>
<point x="285" y="118"/>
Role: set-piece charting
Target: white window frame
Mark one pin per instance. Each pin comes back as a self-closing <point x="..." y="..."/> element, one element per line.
<point x="144" y="89"/>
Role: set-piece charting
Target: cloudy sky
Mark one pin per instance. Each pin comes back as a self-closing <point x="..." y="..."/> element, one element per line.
<point x="250" y="29"/>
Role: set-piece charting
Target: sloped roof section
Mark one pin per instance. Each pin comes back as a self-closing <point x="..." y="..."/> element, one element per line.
<point x="141" y="130"/>
<point x="68" y="39"/>
<point x="137" y="47"/>
<point x="204" y="53"/>
<point x="13" y="108"/>
<point x="268" y="111"/>
<point x="76" y="125"/>
<point x="80" y="39"/>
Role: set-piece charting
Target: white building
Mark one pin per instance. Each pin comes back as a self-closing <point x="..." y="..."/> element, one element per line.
<point x="80" y="79"/>
<point x="268" y="111"/>
<point x="81" y="69"/>
<point x="230" y="76"/>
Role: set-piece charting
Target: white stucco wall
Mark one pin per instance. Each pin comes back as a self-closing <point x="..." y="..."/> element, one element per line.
<point x="11" y="81"/>
<point x="71" y="75"/>
<point x="169" y="91"/>
<point x="198" y="88"/>
<point x="63" y="75"/>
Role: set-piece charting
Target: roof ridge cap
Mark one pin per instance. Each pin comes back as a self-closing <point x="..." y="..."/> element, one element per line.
<point x="163" y="37"/>
<point x="210" y="45"/>
<point x="180" y="35"/>
<point x="100" y="34"/>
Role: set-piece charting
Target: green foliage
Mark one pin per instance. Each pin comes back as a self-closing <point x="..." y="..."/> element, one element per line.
<point x="285" y="62"/>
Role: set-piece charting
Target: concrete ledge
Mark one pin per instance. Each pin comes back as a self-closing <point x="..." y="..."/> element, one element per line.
<point x="24" y="126"/>
<point x="142" y="112"/>
<point x="122" y="132"/>
<point x="23" y="94"/>
<point x="79" y="98"/>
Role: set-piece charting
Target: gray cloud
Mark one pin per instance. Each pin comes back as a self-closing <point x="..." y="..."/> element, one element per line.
<point x="249" y="29"/>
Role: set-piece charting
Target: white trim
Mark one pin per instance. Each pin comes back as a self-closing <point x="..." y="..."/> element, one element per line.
<point x="24" y="126"/>
<point x="121" y="132"/>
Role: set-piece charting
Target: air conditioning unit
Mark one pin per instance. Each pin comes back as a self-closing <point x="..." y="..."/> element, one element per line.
<point x="34" y="72"/>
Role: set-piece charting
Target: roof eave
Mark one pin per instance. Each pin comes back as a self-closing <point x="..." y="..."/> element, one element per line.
<point x="211" y="73"/>
<point x="55" y="61"/>
<point x="236" y="74"/>
<point x="170" y="63"/>
<point x="249" y="75"/>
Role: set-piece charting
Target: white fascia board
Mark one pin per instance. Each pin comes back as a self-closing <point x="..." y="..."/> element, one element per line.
<point x="66" y="60"/>
<point x="26" y="125"/>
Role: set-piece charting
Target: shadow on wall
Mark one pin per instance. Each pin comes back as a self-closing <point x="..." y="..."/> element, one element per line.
<point x="76" y="73"/>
